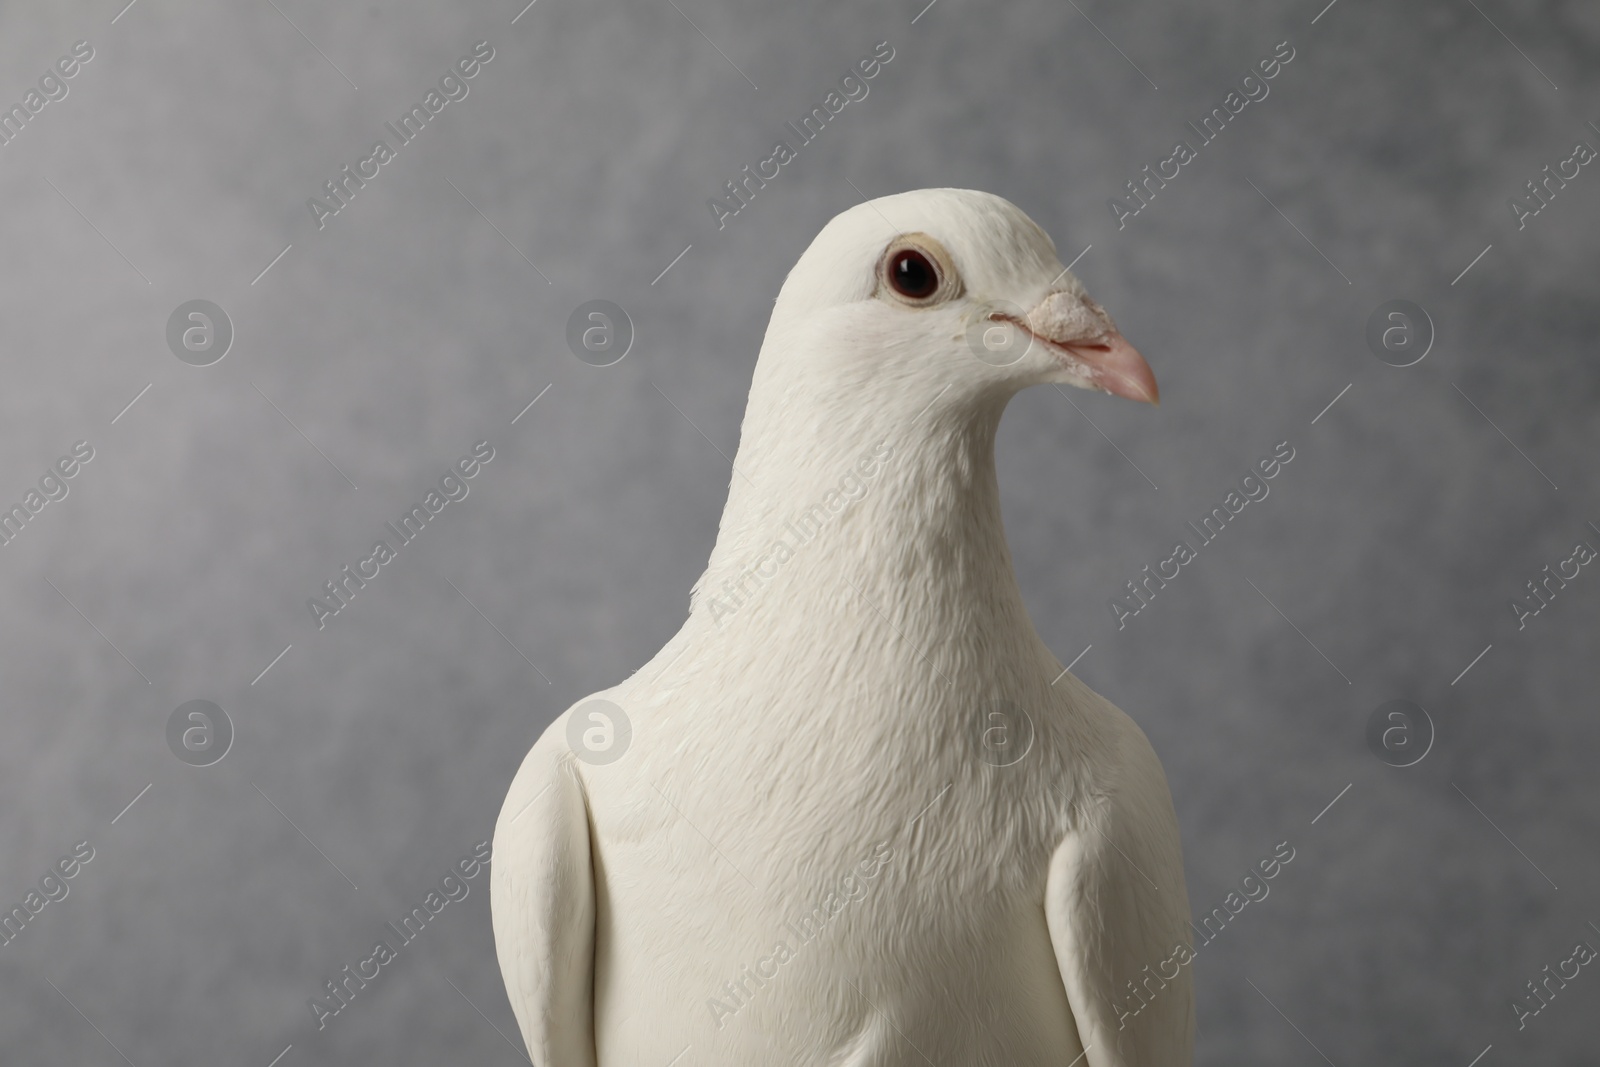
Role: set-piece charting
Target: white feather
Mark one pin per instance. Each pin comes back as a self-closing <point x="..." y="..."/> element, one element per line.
<point x="834" y="717"/>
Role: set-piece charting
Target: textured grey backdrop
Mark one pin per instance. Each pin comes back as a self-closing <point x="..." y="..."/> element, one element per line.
<point x="428" y="313"/>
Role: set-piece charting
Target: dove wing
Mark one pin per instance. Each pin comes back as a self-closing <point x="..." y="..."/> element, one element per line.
<point x="1118" y="912"/>
<point x="541" y="899"/>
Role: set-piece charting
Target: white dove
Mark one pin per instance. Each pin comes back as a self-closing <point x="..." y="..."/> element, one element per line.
<point x="855" y="813"/>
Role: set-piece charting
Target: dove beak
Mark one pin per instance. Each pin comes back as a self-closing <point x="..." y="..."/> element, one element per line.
<point x="1113" y="365"/>
<point x="1088" y="345"/>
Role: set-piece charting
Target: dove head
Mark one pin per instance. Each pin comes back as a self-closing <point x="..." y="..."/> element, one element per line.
<point x="949" y="288"/>
<point x="894" y="346"/>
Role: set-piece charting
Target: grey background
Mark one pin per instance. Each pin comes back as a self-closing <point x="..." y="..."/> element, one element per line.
<point x="409" y="328"/>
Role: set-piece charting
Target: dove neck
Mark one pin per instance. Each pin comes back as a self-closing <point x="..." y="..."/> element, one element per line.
<point x="909" y="522"/>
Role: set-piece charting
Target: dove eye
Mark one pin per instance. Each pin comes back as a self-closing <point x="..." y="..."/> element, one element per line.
<point x="916" y="270"/>
<point x="912" y="275"/>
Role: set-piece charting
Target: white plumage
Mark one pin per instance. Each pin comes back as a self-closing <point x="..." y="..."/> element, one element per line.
<point x="810" y="852"/>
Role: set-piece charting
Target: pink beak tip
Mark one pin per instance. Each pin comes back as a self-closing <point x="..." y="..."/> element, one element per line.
<point x="1123" y="372"/>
